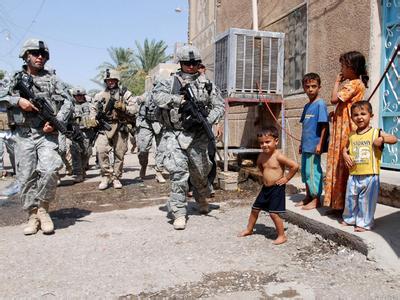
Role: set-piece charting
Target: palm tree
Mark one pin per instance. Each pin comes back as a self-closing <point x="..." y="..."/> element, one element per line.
<point x="122" y="60"/>
<point x="150" y="55"/>
<point x="134" y="66"/>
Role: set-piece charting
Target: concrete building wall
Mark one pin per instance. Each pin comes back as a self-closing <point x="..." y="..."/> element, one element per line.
<point x="333" y="27"/>
<point x="161" y="71"/>
<point x="375" y="55"/>
<point x="202" y="30"/>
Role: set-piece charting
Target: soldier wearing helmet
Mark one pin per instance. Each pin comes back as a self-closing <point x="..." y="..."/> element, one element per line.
<point x="36" y="140"/>
<point x="121" y="117"/>
<point x="84" y="116"/>
<point x="186" y="155"/>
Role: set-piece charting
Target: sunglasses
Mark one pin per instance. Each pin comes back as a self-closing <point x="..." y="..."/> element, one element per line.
<point x="194" y="63"/>
<point x="39" y="52"/>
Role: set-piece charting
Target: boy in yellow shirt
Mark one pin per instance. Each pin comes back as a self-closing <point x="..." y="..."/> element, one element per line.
<point x="363" y="156"/>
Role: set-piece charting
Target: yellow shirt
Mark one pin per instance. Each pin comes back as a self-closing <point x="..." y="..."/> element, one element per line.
<point x="366" y="157"/>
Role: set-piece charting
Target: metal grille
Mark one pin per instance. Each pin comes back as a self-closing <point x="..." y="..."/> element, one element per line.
<point x="254" y="60"/>
<point x="390" y="99"/>
<point x="221" y="63"/>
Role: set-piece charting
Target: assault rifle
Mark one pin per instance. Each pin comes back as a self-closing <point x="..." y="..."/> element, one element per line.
<point x="46" y="112"/>
<point x="101" y="118"/>
<point x="194" y="114"/>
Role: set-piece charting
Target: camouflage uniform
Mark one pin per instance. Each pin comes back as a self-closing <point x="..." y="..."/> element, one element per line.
<point x="186" y="152"/>
<point x="6" y="136"/>
<point x="148" y="128"/>
<point x="83" y="116"/>
<point x="117" y="138"/>
<point x="35" y="151"/>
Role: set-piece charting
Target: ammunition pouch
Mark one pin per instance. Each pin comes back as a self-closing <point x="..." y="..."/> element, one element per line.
<point x="4" y="124"/>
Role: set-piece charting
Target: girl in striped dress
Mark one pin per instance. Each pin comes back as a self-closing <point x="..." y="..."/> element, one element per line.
<point x="354" y="76"/>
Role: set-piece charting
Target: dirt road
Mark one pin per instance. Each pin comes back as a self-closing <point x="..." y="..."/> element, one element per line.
<point x="130" y="250"/>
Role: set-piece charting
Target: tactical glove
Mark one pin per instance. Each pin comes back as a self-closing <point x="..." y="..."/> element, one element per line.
<point x="90" y="122"/>
<point x="120" y="105"/>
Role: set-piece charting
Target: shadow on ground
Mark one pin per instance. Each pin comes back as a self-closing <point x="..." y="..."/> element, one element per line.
<point x="388" y="227"/>
<point x="63" y="218"/>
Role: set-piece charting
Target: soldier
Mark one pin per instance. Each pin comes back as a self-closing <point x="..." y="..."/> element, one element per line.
<point x="147" y="128"/>
<point x="35" y="139"/>
<point x="186" y="154"/>
<point x="85" y="117"/>
<point x="6" y="137"/>
<point x="120" y="107"/>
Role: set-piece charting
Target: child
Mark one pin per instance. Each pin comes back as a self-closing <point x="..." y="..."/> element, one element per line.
<point x="271" y="163"/>
<point x="362" y="156"/>
<point x="313" y="138"/>
<point x="353" y="69"/>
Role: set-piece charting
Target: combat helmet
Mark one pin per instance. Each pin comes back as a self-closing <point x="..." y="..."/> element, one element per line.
<point x="78" y="91"/>
<point x="188" y="53"/>
<point x="34" y="44"/>
<point x="112" y="74"/>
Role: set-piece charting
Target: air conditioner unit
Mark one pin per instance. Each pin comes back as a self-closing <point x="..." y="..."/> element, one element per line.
<point x="248" y="61"/>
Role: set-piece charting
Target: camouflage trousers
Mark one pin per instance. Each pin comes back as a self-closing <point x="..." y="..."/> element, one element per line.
<point x="183" y="164"/>
<point x="7" y="140"/>
<point x="144" y="143"/>
<point x="37" y="161"/>
<point x="80" y="157"/>
<point x="64" y="149"/>
<point x="119" y="144"/>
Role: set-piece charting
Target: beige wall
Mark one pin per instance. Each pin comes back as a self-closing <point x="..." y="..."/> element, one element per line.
<point x="374" y="63"/>
<point x="202" y="30"/>
<point x="334" y="27"/>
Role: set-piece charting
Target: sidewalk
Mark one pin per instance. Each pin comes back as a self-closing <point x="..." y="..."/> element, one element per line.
<point x="381" y="245"/>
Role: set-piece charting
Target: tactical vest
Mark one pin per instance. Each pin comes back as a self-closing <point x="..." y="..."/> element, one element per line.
<point x="81" y="111"/>
<point x="151" y="109"/>
<point x="118" y="94"/>
<point x="42" y="85"/>
<point x="4" y="123"/>
<point x="202" y="87"/>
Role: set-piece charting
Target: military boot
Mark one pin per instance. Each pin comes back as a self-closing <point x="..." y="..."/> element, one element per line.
<point x="180" y="223"/>
<point x="77" y="178"/>
<point x="46" y="224"/>
<point x="117" y="184"/>
<point x="203" y="207"/>
<point x="105" y="181"/>
<point x="159" y="177"/>
<point x="33" y="223"/>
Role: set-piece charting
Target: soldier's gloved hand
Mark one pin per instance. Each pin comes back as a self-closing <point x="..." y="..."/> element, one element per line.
<point x="120" y="105"/>
<point x="90" y="122"/>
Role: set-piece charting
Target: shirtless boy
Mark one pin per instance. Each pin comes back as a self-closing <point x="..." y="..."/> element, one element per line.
<point x="272" y="164"/>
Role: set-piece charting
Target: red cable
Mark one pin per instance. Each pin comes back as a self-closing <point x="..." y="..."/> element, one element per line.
<point x="276" y="120"/>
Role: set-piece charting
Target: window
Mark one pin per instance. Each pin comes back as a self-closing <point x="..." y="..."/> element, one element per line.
<point x="294" y="25"/>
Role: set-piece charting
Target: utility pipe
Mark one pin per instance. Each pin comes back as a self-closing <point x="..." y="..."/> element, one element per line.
<point x="255" y="15"/>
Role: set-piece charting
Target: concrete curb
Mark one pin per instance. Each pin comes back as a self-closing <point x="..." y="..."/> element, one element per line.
<point x="327" y="232"/>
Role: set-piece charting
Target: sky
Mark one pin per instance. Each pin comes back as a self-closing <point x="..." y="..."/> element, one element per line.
<point x="78" y="33"/>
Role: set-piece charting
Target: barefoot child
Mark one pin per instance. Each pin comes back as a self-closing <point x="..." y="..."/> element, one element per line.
<point x="272" y="164"/>
<point x="362" y="156"/>
<point x="313" y="138"/>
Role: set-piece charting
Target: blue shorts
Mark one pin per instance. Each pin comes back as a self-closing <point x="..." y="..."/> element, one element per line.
<point x="271" y="199"/>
